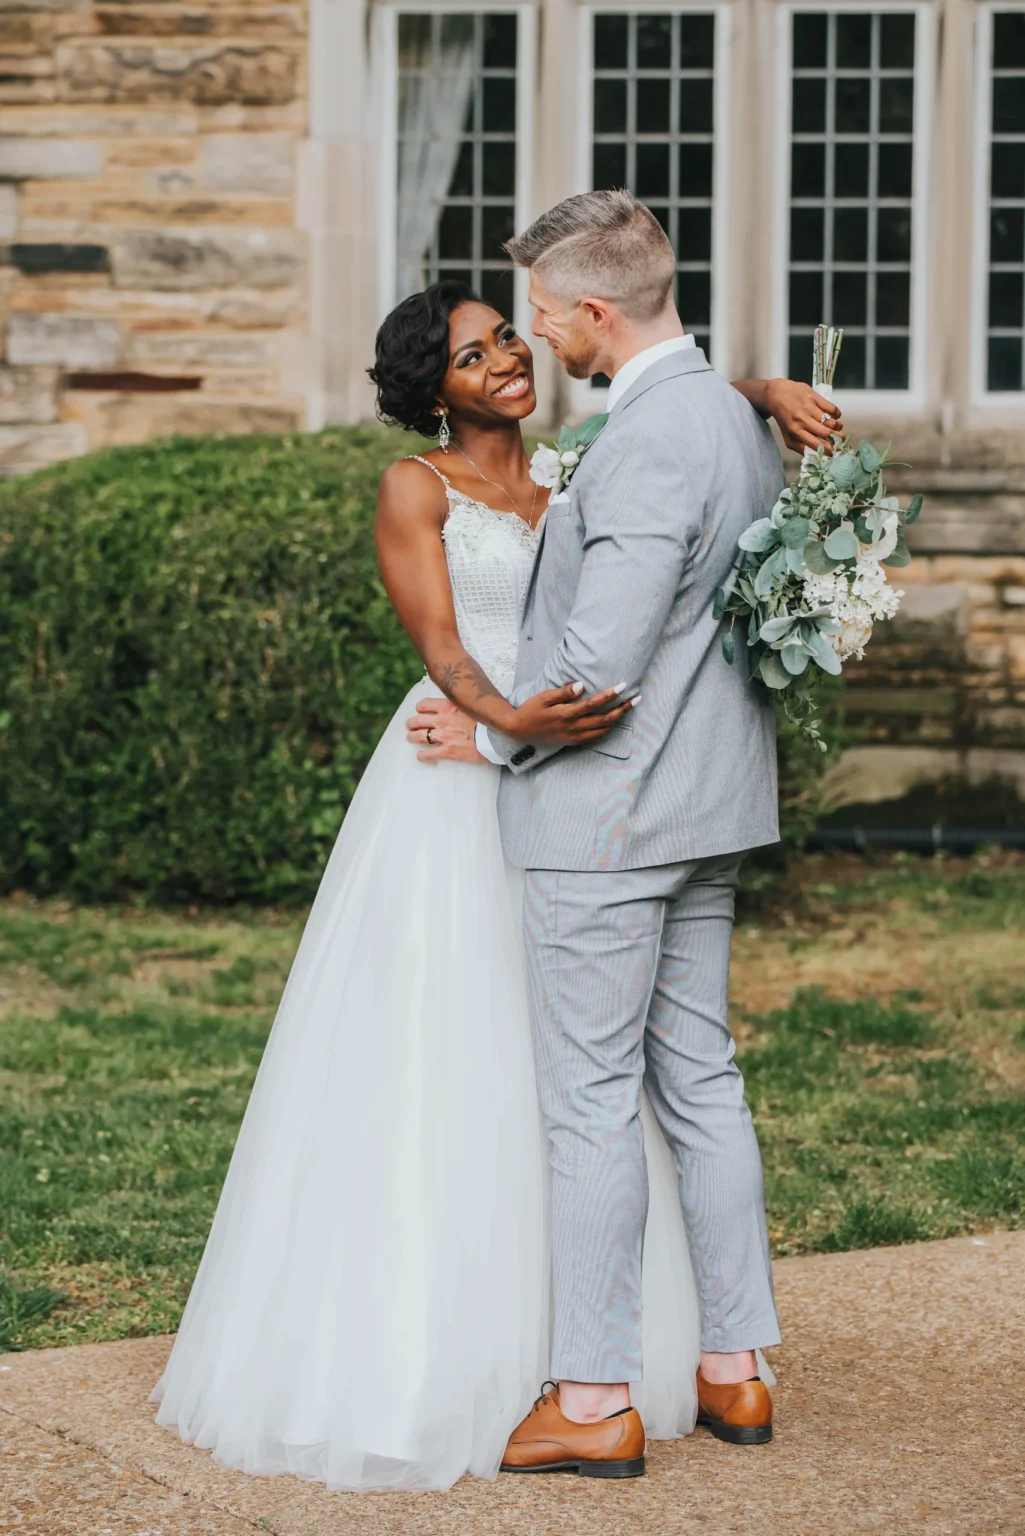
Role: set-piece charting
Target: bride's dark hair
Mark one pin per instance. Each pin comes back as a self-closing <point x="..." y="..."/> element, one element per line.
<point x="411" y="356"/>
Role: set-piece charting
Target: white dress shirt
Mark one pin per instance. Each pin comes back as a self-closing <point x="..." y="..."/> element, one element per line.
<point x="627" y="375"/>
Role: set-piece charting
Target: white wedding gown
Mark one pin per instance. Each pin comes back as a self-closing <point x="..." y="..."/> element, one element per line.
<point x="371" y="1310"/>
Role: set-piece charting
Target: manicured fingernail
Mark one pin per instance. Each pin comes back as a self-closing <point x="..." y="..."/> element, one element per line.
<point x="635" y="701"/>
<point x="619" y="688"/>
<point x="578" y="687"/>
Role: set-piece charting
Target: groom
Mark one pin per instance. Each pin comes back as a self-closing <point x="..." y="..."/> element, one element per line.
<point x="631" y="846"/>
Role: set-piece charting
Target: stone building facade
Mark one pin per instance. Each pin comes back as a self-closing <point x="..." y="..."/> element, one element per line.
<point x="206" y="207"/>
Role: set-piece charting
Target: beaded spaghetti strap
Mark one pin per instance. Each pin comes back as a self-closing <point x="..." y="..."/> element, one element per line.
<point x="443" y="478"/>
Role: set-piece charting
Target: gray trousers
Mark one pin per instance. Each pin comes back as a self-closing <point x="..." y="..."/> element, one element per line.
<point x="629" y="976"/>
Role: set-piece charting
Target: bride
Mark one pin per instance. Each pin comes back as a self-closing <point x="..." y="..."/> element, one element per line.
<point x="371" y="1307"/>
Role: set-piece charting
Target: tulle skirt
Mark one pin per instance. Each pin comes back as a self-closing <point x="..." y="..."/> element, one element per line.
<point x="371" y="1310"/>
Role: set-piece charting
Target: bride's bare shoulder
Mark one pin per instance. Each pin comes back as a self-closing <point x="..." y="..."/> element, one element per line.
<point x="411" y="494"/>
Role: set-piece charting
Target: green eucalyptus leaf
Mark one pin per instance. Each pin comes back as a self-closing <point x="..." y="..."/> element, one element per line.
<point x="823" y="653"/>
<point x="746" y="588"/>
<point x="842" y="544"/>
<point x="772" y="671"/>
<point x="772" y="573"/>
<point x="729" y="646"/>
<point x="901" y="555"/>
<point x="816" y="559"/>
<point x="914" y="507"/>
<point x="869" y="457"/>
<point x="774" y="629"/>
<point x="862" y="529"/>
<point x="566" y="439"/>
<point x="588" y="430"/>
<point x="759" y="537"/>
<point x="844" y="471"/>
<point x="753" y="625"/>
<point x="795" y="562"/>
<point x="795" y="657"/>
<point x="718" y="604"/>
<point x="794" y="532"/>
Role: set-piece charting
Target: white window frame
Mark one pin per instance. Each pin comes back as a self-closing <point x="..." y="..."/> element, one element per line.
<point x="584" y="400"/>
<point x="1004" y="400"/>
<point x="385" y="53"/>
<point x="902" y="402"/>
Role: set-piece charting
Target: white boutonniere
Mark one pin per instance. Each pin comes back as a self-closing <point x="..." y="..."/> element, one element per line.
<point x="554" y="467"/>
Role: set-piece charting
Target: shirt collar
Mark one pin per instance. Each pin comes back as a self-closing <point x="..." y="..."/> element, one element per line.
<point x="640" y="362"/>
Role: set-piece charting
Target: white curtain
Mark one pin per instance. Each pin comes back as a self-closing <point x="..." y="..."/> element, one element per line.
<point x="432" y="108"/>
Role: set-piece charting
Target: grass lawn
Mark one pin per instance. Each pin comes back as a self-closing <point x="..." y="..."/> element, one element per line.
<point x="879" y="1011"/>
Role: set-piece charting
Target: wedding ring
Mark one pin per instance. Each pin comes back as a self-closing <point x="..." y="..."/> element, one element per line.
<point x="430" y="728"/>
<point x="824" y="417"/>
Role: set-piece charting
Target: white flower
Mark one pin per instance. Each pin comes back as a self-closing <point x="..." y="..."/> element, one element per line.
<point x="570" y="458"/>
<point x="546" y="467"/>
<point x="856" y="596"/>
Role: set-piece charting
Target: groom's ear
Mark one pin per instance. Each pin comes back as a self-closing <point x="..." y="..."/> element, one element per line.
<point x="599" y="313"/>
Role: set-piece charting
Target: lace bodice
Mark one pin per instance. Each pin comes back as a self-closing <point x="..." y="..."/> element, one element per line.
<point x="490" y="557"/>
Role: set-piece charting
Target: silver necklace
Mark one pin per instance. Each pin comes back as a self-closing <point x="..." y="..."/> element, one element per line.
<point x="529" y="519"/>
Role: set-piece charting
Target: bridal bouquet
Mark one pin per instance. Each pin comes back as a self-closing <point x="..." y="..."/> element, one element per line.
<point x="810" y="580"/>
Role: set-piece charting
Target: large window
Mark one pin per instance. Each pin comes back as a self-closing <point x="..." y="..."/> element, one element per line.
<point x="457" y="150"/>
<point x="852" y="152"/>
<point x="652" y="131"/>
<point x="1005" y="328"/>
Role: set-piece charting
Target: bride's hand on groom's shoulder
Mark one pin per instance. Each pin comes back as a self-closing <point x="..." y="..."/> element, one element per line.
<point x="441" y="730"/>
<point x="566" y="717"/>
<point x="805" y="418"/>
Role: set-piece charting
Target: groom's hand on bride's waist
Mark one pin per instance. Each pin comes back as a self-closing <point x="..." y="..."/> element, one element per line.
<point x="441" y="730"/>
<point x="567" y="717"/>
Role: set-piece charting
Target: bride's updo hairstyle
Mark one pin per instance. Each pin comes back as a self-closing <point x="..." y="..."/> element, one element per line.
<point x="412" y="356"/>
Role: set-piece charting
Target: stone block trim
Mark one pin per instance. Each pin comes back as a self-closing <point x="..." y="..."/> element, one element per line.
<point x="148" y="247"/>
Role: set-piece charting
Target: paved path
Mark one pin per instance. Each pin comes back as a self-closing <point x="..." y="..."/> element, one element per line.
<point x="900" y="1411"/>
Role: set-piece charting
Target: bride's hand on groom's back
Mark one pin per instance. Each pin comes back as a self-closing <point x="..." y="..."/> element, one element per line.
<point x="565" y="717"/>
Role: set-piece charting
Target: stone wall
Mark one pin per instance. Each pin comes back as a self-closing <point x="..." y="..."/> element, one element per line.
<point x="940" y="695"/>
<point x="151" y="272"/>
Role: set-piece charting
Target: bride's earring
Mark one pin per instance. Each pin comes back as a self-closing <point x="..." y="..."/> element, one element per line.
<point x="444" y="432"/>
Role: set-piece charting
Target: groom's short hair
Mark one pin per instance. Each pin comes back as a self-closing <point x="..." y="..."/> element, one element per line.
<point x="603" y="245"/>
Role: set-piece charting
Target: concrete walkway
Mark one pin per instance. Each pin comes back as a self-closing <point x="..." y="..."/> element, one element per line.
<point x="900" y="1411"/>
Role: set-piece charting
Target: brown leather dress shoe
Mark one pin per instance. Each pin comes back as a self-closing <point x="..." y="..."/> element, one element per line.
<point x="739" y="1412"/>
<point x="547" y="1441"/>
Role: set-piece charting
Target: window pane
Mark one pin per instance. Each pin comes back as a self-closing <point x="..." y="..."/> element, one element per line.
<point x="694" y="240"/>
<point x="610" y="106"/>
<point x="610" y="42"/>
<point x="652" y="177"/>
<point x="461" y="184"/>
<point x="498" y="169"/>
<point x="799" y="360"/>
<point x="896" y="105"/>
<point x="694" y="298"/>
<point x="895" y="170"/>
<point x="1004" y="369"/>
<point x="807" y="234"/>
<point x="498" y="224"/>
<point x="695" y="106"/>
<point x="809" y="106"/>
<point x="1008" y="104"/>
<point x="499" y="42"/>
<point x="897" y="42"/>
<point x="893" y="298"/>
<point x="499" y="106"/>
<point x="609" y="169"/>
<point x="852" y="177"/>
<point x="853" y="104"/>
<point x="807" y="170"/>
<point x="455" y="233"/>
<point x="1008" y="170"/>
<point x="851" y="170"/>
<point x="496" y="289"/>
<point x="1007" y="235"/>
<point x="1009" y="40"/>
<point x="892" y="362"/>
<point x="1005" y="300"/>
<point x="653" y="106"/>
<point x="850" y="298"/>
<point x="697" y="42"/>
<point x="853" y="42"/>
<point x="654" y="42"/>
<point x="810" y="41"/>
<point x="695" y="171"/>
<point x="805" y="298"/>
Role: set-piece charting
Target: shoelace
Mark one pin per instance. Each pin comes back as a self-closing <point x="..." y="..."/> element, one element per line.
<point x="544" y="1393"/>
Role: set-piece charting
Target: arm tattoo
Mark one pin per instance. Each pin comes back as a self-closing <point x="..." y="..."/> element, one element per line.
<point x="453" y="675"/>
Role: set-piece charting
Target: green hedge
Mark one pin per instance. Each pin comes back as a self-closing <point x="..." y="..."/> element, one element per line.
<point x="196" y="660"/>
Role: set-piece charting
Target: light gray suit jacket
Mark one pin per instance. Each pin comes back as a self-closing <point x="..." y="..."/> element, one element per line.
<point x="622" y="591"/>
